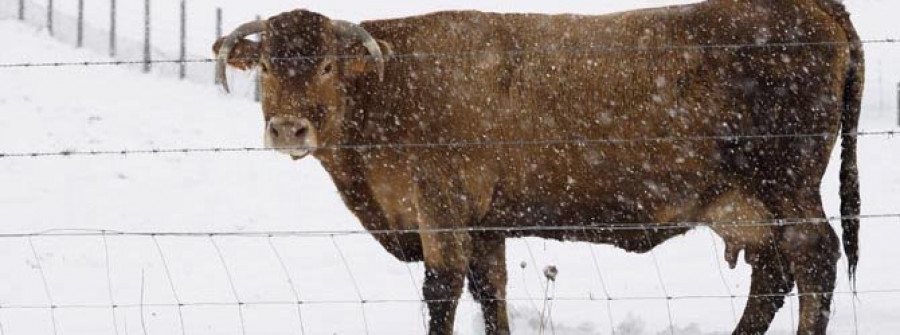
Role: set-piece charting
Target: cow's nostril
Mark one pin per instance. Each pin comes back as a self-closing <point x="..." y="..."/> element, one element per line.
<point x="301" y="132"/>
<point x="273" y="131"/>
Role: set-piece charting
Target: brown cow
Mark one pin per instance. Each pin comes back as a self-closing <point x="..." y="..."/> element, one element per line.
<point x="433" y="125"/>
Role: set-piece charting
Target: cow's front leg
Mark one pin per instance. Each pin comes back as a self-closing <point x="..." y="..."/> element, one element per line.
<point x="487" y="281"/>
<point x="451" y="196"/>
<point x="446" y="261"/>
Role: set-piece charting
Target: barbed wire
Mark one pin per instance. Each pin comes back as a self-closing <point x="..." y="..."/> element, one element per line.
<point x="467" y="54"/>
<point x="586" y="227"/>
<point x="445" y="145"/>
<point x="419" y="301"/>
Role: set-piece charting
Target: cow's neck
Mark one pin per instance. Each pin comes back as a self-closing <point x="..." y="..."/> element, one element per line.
<point x="347" y="171"/>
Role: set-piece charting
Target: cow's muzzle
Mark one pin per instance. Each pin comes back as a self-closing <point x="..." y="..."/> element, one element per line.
<point x="290" y="135"/>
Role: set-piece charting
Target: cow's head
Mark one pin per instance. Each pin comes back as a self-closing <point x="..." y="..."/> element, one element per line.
<point x="305" y="59"/>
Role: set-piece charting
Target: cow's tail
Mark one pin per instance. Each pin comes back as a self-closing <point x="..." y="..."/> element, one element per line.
<point x="851" y="105"/>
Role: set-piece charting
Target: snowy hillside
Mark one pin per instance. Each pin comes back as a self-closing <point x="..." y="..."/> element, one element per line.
<point x="52" y="109"/>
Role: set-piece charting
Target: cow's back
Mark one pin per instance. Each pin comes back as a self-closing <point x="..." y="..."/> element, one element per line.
<point x="525" y="80"/>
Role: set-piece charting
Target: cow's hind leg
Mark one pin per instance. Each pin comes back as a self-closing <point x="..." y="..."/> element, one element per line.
<point x="770" y="282"/>
<point x="812" y="250"/>
<point x="734" y="215"/>
<point x="487" y="281"/>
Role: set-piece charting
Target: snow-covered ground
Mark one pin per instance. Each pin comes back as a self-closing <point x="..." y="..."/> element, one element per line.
<point x="52" y="109"/>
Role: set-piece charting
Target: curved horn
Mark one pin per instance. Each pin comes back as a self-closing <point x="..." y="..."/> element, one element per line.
<point x="349" y="30"/>
<point x="249" y="28"/>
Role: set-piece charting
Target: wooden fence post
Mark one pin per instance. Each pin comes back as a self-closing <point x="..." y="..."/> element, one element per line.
<point x="182" y="56"/>
<point x="147" y="58"/>
<point x="21" y="10"/>
<point x="80" y="40"/>
<point x="112" y="28"/>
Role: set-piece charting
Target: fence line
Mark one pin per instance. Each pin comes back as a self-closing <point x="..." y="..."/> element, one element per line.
<point x="362" y="301"/>
<point x="444" y="145"/>
<point x="466" y="54"/>
<point x="104" y="37"/>
<point x="586" y="227"/>
<point x="418" y="301"/>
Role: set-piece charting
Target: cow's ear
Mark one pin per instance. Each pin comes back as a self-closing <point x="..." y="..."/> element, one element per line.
<point x="244" y="56"/>
<point x="355" y="66"/>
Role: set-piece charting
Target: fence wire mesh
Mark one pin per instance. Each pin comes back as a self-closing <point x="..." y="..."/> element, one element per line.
<point x="239" y="300"/>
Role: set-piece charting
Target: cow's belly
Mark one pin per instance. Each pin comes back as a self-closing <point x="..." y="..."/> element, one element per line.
<point x="603" y="199"/>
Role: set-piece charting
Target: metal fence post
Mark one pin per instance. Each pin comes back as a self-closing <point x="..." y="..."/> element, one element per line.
<point x="218" y="22"/>
<point x="21" y="10"/>
<point x="182" y="70"/>
<point x="257" y="93"/>
<point x="50" y="16"/>
<point x="80" y="41"/>
<point x="112" y="28"/>
<point x="146" y="35"/>
<point x="218" y="29"/>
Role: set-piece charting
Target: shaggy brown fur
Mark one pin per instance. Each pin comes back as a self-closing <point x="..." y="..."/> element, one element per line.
<point x="518" y="83"/>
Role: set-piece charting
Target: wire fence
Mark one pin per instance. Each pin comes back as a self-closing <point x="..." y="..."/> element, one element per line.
<point x="132" y="32"/>
<point x="419" y="301"/>
<point x="546" y="227"/>
<point x="469" y="54"/>
<point x="242" y="301"/>
<point x="444" y="145"/>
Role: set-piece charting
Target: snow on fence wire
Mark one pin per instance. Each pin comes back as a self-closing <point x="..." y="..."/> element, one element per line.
<point x="239" y="301"/>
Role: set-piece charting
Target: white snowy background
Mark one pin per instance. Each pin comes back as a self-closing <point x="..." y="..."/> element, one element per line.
<point x="85" y="108"/>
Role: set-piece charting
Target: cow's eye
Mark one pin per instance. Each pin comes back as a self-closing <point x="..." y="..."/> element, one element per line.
<point x="327" y="68"/>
